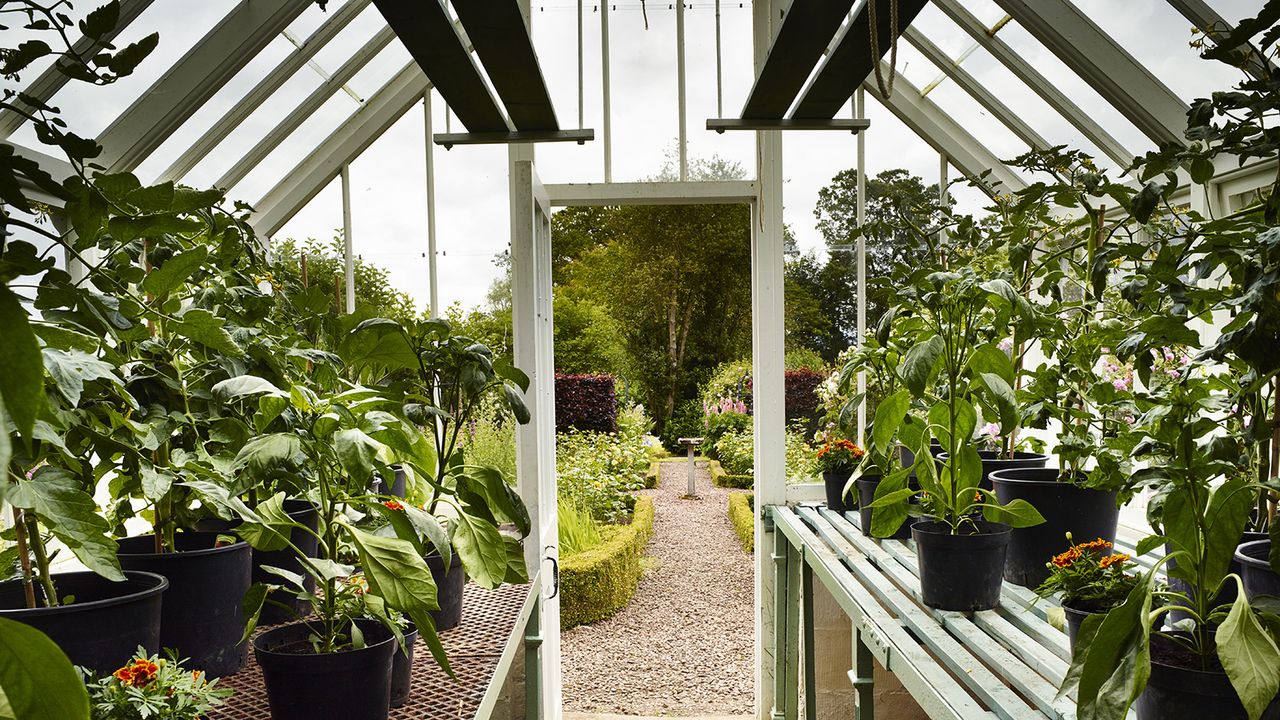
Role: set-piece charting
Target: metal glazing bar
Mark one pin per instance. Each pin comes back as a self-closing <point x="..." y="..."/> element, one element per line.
<point x="533" y="660"/>
<point x="682" y="103"/>
<point x="263" y="90"/>
<point x="348" y="258"/>
<point x="432" y="277"/>
<point x="838" y="124"/>
<point x="719" y="67"/>
<point x="604" y="81"/>
<point x="1038" y="83"/>
<point x="448" y="140"/>
<point x="49" y="82"/>
<point x="581" y="98"/>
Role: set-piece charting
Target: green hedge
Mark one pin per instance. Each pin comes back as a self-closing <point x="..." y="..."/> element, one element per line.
<point x="653" y="475"/>
<point x="599" y="582"/>
<point x="737" y="482"/>
<point x="743" y="519"/>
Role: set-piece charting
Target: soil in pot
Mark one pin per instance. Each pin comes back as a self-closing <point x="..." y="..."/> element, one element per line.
<point x="306" y="513"/>
<point x="1227" y="593"/>
<point x="449" y="587"/>
<point x="201" y="617"/>
<point x="963" y="571"/>
<point x="1179" y="690"/>
<point x="835" y="480"/>
<point x="867" y="485"/>
<point x="402" y="668"/>
<point x="303" y="685"/>
<point x="1255" y="569"/>
<point x="106" y="623"/>
<point x="1086" y="514"/>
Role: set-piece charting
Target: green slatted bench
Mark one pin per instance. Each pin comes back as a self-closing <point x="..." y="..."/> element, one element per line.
<point x="1003" y="664"/>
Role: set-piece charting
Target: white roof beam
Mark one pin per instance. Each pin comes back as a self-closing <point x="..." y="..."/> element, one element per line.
<point x="945" y="135"/>
<point x="1204" y="17"/>
<point x="1037" y="82"/>
<point x="342" y="146"/>
<point x="193" y="79"/>
<point x="976" y="90"/>
<point x="44" y="87"/>
<point x="1097" y="58"/>
<point x="263" y="90"/>
<point x="308" y="107"/>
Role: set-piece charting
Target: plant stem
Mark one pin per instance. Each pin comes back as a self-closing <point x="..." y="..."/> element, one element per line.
<point x="24" y="558"/>
<point x="42" y="560"/>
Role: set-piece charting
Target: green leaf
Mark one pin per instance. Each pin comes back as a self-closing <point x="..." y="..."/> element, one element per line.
<point x="36" y="677"/>
<point x="175" y="271"/>
<point x="357" y="453"/>
<point x="1144" y="203"/>
<point x="269" y="452"/>
<point x="6" y="442"/>
<point x="1017" y="513"/>
<point x="1148" y="543"/>
<point x="516" y="403"/>
<point x="70" y="513"/>
<point x="379" y="343"/>
<point x="1250" y="656"/>
<point x="517" y="573"/>
<point x="1002" y="397"/>
<point x="71" y="369"/>
<point x="155" y="482"/>
<point x="398" y="575"/>
<point x="889" y="415"/>
<point x="1116" y="661"/>
<point x="503" y="500"/>
<point x="401" y="524"/>
<point x="429" y="527"/>
<point x="270" y="531"/>
<point x="1226" y="518"/>
<point x="244" y="385"/>
<point x="251" y="607"/>
<point x="21" y="366"/>
<point x="482" y="550"/>
<point x="201" y="326"/>
<point x="918" y="366"/>
<point x="990" y="359"/>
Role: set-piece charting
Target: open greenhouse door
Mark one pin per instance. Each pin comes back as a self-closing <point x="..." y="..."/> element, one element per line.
<point x="536" y="441"/>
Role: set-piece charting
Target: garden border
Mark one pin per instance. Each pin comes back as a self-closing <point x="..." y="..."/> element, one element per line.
<point x="743" y="519"/>
<point x="596" y="584"/>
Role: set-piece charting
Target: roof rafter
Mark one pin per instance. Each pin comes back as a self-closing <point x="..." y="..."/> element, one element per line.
<point x="263" y="90"/>
<point x="193" y="79"/>
<point x="1037" y="82"/>
<point x="1204" y="17"/>
<point x="1098" y="59"/>
<point x="797" y="47"/>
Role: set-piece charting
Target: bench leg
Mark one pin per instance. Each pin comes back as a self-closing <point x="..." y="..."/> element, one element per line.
<point x="810" y="666"/>
<point x="863" y="677"/>
<point x="533" y="662"/>
<point x="794" y="563"/>
<point x="780" y="638"/>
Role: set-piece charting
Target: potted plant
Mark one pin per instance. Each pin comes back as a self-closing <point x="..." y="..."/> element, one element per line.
<point x="838" y="457"/>
<point x="1088" y="578"/>
<point x="954" y="370"/>
<point x="442" y="380"/>
<point x="1222" y="661"/>
<point x="340" y="660"/>
<point x="150" y="686"/>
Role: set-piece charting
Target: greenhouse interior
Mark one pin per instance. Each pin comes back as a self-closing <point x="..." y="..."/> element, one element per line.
<point x="897" y="359"/>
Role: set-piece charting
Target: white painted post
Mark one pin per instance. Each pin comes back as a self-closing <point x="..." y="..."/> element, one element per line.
<point x="432" y="277"/>
<point x="348" y="259"/>
<point x="604" y="81"/>
<point x="680" y="91"/>
<point x="860" y="111"/>
<point x="768" y="351"/>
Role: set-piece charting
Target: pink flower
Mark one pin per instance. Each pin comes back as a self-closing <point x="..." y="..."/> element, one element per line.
<point x="1006" y="345"/>
<point x="1120" y="384"/>
<point x="991" y="430"/>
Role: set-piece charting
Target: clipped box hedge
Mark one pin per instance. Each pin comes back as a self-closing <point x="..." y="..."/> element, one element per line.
<point x="737" y="482"/>
<point x="598" y="583"/>
<point x="743" y="519"/>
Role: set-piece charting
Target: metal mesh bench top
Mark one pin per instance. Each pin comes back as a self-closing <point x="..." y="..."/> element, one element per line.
<point x="481" y="650"/>
<point x="1005" y="663"/>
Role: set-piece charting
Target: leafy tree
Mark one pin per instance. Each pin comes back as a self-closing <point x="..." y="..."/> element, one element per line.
<point x="315" y="263"/>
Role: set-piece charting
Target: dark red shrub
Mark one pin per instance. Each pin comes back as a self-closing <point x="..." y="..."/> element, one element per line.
<point x="586" y="402"/>
<point x="802" y="393"/>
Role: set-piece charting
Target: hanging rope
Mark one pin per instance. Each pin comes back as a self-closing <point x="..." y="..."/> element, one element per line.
<point x="886" y="89"/>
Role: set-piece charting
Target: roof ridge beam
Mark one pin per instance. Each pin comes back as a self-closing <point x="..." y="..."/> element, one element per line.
<point x="1038" y="83"/>
<point x="49" y="82"/>
<point x="1108" y="68"/>
<point x="263" y="90"/>
<point x="793" y="54"/>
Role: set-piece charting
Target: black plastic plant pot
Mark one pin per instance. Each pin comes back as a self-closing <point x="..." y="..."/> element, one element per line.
<point x="1174" y="692"/>
<point x="202" y="617"/>
<point x="303" y="512"/>
<point x="397" y="486"/>
<point x="961" y="571"/>
<point x="1086" y="514"/>
<point x="449" y="587"/>
<point x="867" y="485"/>
<point x="1255" y="569"/>
<point x="402" y="668"/>
<point x="104" y="626"/>
<point x="1075" y="618"/>
<point x="303" y="685"/>
<point x="835" y="480"/>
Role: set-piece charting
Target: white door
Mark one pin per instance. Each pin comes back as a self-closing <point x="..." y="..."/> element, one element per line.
<point x="536" y="442"/>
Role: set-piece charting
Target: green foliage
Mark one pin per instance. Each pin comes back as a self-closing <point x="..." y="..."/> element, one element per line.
<point x="1089" y="577"/>
<point x="598" y="471"/>
<point x="579" y="529"/>
<point x="687" y="421"/>
<point x="742" y="517"/>
<point x="491" y="442"/>
<point x="37" y="681"/>
<point x="599" y="582"/>
<point x="723" y="423"/>
<point x="736" y="452"/>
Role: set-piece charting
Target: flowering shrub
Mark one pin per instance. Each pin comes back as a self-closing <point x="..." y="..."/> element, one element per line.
<point x="153" y="687"/>
<point x="599" y="471"/>
<point x="720" y="424"/>
<point x="839" y="455"/>
<point x="736" y="451"/>
<point x="586" y="402"/>
<point x="1090" y="577"/>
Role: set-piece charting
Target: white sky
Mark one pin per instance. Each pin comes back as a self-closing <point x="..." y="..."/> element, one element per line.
<point x="388" y="180"/>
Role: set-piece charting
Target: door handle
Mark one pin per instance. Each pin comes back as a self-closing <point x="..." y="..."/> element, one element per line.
<point x="555" y="571"/>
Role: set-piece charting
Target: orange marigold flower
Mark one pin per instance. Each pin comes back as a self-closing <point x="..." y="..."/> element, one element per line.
<point x="124" y="675"/>
<point x="1098" y="544"/>
<point x="1110" y="560"/>
<point x="393" y="505"/>
<point x="1065" y="559"/>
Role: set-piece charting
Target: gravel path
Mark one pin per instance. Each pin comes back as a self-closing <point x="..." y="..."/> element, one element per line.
<point x="683" y="647"/>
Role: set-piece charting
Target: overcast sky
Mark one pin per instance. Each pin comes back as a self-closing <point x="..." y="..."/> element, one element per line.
<point x="388" y="180"/>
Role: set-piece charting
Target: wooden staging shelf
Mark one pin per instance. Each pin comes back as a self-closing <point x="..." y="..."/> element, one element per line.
<point x="492" y="627"/>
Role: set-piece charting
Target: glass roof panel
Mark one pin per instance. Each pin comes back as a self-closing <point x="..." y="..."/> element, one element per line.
<point x="309" y="136"/>
<point x="308" y="22"/>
